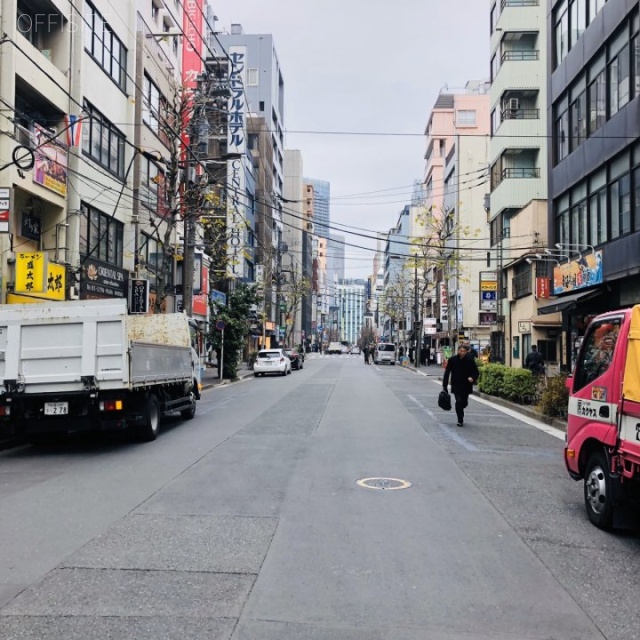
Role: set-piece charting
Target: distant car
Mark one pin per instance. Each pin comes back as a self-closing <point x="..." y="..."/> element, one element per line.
<point x="355" y="351"/>
<point x="344" y="349"/>
<point x="385" y="352"/>
<point x="334" y="347"/>
<point x="297" y="359"/>
<point x="271" y="361"/>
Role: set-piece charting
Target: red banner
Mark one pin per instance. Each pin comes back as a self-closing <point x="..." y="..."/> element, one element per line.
<point x="543" y="288"/>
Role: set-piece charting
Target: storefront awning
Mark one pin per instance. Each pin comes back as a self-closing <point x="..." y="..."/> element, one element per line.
<point x="567" y="303"/>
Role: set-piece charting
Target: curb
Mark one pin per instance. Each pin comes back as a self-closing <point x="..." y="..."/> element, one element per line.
<point x="227" y="382"/>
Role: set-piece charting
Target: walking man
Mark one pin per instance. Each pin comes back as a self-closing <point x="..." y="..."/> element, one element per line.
<point x="534" y="361"/>
<point x="464" y="374"/>
<point x="365" y="350"/>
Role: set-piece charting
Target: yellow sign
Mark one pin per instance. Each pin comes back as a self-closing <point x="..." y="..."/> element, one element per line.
<point x="488" y="286"/>
<point x="56" y="282"/>
<point x="31" y="270"/>
<point x="30" y="279"/>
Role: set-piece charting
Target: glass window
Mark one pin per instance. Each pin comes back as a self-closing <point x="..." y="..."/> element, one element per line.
<point x="636" y="199"/>
<point x="594" y="7"/>
<point x="561" y="132"/>
<point x="102" y="142"/>
<point x="101" y="236"/>
<point x="597" y="102"/>
<point x="578" y="121"/>
<point x="579" y="223"/>
<point x="596" y="354"/>
<point x="598" y="218"/>
<point x="466" y="117"/>
<point x="561" y="32"/>
<point x="620" y="202"/>
<point x="578" y="20"/>
<point x="635" y="65"/>
<point x="104" y="46"/>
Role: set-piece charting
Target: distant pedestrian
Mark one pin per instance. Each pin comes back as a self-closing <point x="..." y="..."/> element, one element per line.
<point x="365" y="351"/>
<point x="463" y="372"/>
<point x="471" y="350"/>
<point x="534" y="361"/>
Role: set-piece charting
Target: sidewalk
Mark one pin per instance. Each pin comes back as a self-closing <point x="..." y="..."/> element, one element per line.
<point x="529" y="411"/>
<point x="210" y="378"/>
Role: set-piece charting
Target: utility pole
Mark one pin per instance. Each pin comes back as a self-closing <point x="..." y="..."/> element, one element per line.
<point x="416" y="337"/>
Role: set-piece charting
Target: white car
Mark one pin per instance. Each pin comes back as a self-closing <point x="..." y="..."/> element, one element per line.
<point x="385" y="353"/>
<point x="271" y="361"/>
<point x="355" y="351"/>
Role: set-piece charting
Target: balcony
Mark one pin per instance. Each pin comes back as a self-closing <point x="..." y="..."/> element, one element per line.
<point x="520" y="56"/>
<point x="520" y="114"/>
<point x="518" y="3"/>
<point x="520" y="172"/>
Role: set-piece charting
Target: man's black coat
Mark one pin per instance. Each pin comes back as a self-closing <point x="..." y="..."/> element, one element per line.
<point x="460" y="369"/>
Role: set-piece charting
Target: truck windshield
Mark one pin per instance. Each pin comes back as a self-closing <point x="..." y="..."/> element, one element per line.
<point x="597" y="351"/>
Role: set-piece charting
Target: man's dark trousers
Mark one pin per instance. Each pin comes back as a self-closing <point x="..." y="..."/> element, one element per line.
<point x="462" y="400"/>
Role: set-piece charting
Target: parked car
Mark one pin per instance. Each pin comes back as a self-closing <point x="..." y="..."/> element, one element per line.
<point x="385" y="353"/>
<point x="334" y="347"/>
<point x="271" y="361"/>
<point x="297" y="359"/>
<point x="355" y="350"/>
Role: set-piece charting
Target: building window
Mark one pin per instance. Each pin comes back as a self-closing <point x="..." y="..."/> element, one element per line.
<point x="466" y="117"/>
<point x="102" y="142"/>
<point x="594" y="7"/>
<point x="150" y="104"/>
<point x="151" y="255"/>
<point x="252" y="77"/>
<point x="547" y="348"/>
<point x="522" y="280"/>
<point x="150" y="180"/>
<point x="101" y="236"/>
<point x="578" y="116"/>
<point x="619" y="70"/>
<point x="562" y="220"/>
<point x="561" y="131"/>
<point x="598" y="217"/>
<point x="620" y="201"/>
<point x="105" y="47"/>
<point x="495" y="66"/>
<point x="597" y="100"/>
<point x="561" y="31"/>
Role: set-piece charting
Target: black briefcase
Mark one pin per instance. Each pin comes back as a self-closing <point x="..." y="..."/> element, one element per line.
<point x="444" y="400"/>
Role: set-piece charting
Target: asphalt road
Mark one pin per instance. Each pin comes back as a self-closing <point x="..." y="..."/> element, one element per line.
<point x="248" y="523"/>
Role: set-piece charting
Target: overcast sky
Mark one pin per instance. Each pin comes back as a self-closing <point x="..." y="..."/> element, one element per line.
<point x="365" y="67"/>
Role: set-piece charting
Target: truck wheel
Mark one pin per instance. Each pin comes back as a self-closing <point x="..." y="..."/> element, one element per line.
<point x="598" y="491"/>
<point x="190" y="412"/>
<point x="149" y="430"/>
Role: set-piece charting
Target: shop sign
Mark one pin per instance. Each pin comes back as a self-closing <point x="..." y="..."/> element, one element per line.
<point x="524" y="326"/>
<point x="5" y="210"/>
<point x="543" y="288"/>
<point x="102" y="280"/>
<point x="199" y="305"/>
<point x="487" y="319"/>
<point x="50" y="168"/>
<point x="31" y="272"/>
<point x="578" y="274"/>
<point x="444" y="302"/>
<point x="138" y="296"/>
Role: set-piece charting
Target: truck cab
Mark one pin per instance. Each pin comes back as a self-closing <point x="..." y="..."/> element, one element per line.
<point x="603" y="425"/>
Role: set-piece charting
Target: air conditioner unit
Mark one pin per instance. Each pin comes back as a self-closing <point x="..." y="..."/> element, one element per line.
<point x="514" y="104"/>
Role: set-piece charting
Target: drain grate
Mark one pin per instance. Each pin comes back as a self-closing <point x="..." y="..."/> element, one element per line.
<point x="383" y="483"/>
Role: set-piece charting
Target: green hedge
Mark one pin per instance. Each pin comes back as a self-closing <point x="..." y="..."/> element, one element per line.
<point x="518" y="385"/>
<point x="555" y="398"/>
<point x="491" y="379"/>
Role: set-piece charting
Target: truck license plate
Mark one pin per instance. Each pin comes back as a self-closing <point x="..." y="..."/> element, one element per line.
<point x="56" y="408"/>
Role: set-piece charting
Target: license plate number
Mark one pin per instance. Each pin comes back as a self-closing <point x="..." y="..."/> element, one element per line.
<point x="56" y="408"/>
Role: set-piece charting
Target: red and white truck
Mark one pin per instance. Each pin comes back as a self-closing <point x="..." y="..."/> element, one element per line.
<point x="603" y="430"/>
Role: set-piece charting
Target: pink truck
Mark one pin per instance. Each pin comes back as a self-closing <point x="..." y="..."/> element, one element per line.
<point x="603" y="431"/>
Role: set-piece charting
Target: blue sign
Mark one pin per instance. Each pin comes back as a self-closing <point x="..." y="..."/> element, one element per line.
<point x="320" y="327"/>
<point x="489" y="295"/>
<point x="218" y="297"/>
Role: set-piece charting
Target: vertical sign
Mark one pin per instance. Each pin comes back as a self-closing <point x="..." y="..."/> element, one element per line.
<point x="488" y="291"/>
<point x="5" y="209"/>
<point x="192" y="28"/>
<point x="236" y="145"/>
<point x="444" y="302"/>
<point x="138" y="296"/>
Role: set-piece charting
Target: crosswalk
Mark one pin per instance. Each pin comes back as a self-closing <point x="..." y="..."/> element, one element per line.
<point x="332" y="356"/>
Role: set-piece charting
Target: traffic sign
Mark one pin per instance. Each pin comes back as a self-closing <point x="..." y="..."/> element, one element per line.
<point x="220" y="325"/>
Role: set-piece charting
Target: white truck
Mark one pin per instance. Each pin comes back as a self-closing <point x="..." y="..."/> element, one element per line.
<point x="87" y="365"/>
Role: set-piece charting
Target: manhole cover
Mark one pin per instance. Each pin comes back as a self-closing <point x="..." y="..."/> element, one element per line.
<point x="383" y="483"/>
